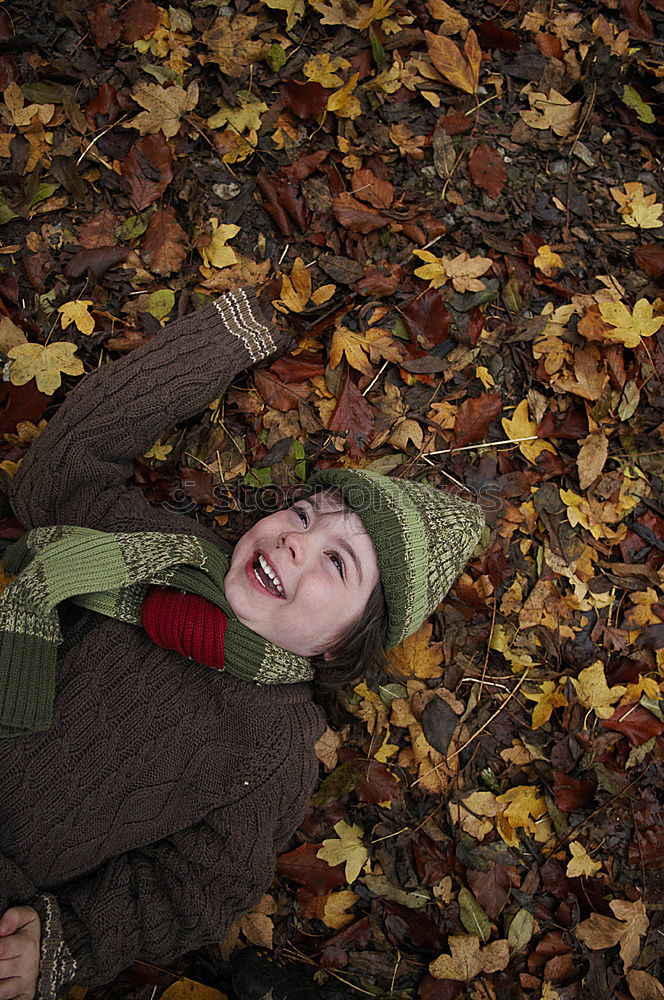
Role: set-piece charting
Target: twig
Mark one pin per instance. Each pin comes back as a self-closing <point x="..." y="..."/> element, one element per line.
<point x="484" y="444"/>
<point x="97" y="137"/>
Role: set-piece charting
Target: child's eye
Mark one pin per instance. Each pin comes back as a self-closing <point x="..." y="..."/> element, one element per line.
<point x="302" y="514"/>
<point x="338" y="563"/>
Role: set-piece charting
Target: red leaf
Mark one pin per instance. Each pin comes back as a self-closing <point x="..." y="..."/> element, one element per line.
<point x="294" y="369"/>
<point x="305" y="166"/>
<point x="20" y="402"/>
<point x="456" y="122"/>
<point x="383" y="279"/>
<point x="406" y="928"/>
<point x="647" y="848"/>
<point x="636" y="723"/>
<point x="6" y="26"/>
<point x="490" y="36"/>
<point x="148" y="159"/>
<point x="95" y="262"/>
<point x="428" y="317"/>
<point x="429" y="988"/>
<point x="104" y="26"/>
<point x="491" y="888"/>
<point x="281" y="396"/>
<point x="650" y="258"/>
<point x="433" y="861"/>
<point x="640" y="25"/>
<point x="163" y="245"/>
<point x="572" y="793"/>
<point x="303" y="99"/>
<point x="530" y="244"/>
<point x="569" y="426"/>
<point x="473" y="417"/>
<point x="139" y="19"/>
<point x="368" y="187"/>
<point x="100" y="231"/>
<point x="354" y="415"/>
<point x="197" y="484"/>
<point x="356" y="217"/>
<point x="302" y="866"/>
<point x="104" y="107"/>
<point x="549" y="45"/>
<point x="487" y="169"/>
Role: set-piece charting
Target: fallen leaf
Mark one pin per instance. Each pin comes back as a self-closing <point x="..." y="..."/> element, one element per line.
<point x="521" y="807"/>
<point x="520" y="426"/>
<point x="487" y="169"/>
<point x="590" y="461"/>
<point x="474" y="417"/>
<point x="625" y="327"/>
<point x="581" y="863"/>
<point x="547" y="261"/>
<point x="44" y="364"/>
<point x="548" y="698"/>
<point x="294" y="10"/>
<point x="599" y="932"/>
<point x="165" y="107"/>
<point x="468" y="959"/>
<point x="417" y="655"/>
<point x="354" y="346"/>
<point x="643" y="986"/>
<point x="230" y="44"/>
<point x="216" y="253"/>
<point x="593" y="692"/>
<point x="463" y="270"/>
<point x="147" y="170"/>
<point x="461" y="70"/>
<point x="552" y="111"/>
<point x="354" y="415"/>
<point x="638" y="209"/>
<point x="163" y="245"/>
<point x="77" y="313"/>
<point x="347" y="848"/>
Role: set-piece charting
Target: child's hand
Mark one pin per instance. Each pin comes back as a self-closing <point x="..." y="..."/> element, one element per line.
<point x="20" y="937"/>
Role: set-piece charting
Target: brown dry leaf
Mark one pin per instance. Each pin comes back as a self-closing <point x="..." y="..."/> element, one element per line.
<point x="641" y="984"/>
<point x="467" y="959"/>
<point x="327" y="747"/>
<point x="417" y="656"/>
<point x="581" y="863"/>
<point x="165" y="107"/>
<point x="599" y="932"/>
<point x="463" y="270"/>
<point x="407" y="143"/>
<point x="164" y="242"/>
<point x="552" y="111"/>
<point x="637" y="208"/>
<point x="352" y="14"/>
<point x="231" y="47"/>
<point x="461" y="70"/>
<point x="592" y="456"/>
<point x="11" y="335"/>
<point x="396" y="427"/>
<point x="17" y="113"/>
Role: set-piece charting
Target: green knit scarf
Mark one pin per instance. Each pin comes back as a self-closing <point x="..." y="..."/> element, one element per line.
<point x="111" y="573"/>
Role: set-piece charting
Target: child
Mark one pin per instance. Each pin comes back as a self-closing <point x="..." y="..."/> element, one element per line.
<point x="160" y="725"/>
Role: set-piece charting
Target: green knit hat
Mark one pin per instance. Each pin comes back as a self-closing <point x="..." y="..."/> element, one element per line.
<point x="423" y="537"/>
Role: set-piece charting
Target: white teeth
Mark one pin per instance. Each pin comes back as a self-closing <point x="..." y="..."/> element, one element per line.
<point x="267" y="569"/>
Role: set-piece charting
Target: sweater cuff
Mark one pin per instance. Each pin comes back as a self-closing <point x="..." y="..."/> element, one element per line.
<point x="57" y="966"/>
<point x="245" y="319"/>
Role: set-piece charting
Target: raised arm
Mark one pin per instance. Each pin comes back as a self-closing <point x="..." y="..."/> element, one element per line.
<point x="76" y="472"/>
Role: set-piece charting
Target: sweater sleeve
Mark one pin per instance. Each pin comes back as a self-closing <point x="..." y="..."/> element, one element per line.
<point x="153" y="903"/>
<point x="76" y="472"/>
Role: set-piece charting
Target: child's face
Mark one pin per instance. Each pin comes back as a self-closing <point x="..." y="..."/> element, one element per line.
<point x="326" y="569"/>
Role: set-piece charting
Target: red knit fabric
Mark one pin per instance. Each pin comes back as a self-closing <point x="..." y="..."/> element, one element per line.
<point x="186" y="623"/>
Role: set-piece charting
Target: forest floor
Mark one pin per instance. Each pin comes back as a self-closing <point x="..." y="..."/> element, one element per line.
<point x="456" y="209"/>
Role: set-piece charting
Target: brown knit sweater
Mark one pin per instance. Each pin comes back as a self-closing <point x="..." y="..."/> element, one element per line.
<point x="150" y="815"/>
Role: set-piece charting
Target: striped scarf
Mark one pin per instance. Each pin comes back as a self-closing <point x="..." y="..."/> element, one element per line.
<point x="110" y="573"/>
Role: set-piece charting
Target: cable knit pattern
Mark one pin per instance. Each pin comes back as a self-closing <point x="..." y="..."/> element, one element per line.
<point x="152" y="811"/>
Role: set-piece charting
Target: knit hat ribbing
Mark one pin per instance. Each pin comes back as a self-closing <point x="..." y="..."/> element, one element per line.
<point x="423" y="538"/>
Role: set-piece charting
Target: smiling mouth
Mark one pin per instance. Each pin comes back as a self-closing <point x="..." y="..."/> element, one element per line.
<point x="266" y="576"/>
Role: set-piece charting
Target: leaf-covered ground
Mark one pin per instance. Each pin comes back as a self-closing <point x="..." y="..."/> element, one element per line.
<point x="456" y="209"/>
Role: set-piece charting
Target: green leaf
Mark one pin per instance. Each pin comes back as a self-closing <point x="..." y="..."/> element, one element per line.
<point x="43" y="192"/>
<point x="521" y="930"/>
<point x="633" y="99"/>
<point x="134" y="226"/>
<point x="653" y="706"/>
<point x="276" y="57"/>
<point x="389" y="692"/>
<point x="473" y="917"/>
<point x="6" y="214"/>
<point x="160" y="303"/>
<point x="257" y="477"/>
<point x="377" y="49"/>
<point x="300" y="461"/>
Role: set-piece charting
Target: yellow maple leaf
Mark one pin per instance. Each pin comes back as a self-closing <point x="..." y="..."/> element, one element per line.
<point x="629" y="328"/>
<point x="593" y="692"/>
<point x="159" y="451"/>
<point x="296" y="289"/>
<point x="230" y="45"/>
<point x="474" y="813"/>
<point x="638" y="209"/>
<point x="552" y="111"/>
<point x="520" y="426"/>
<point x="351" y="13"/>
<point x="645" y="685"/>
<point x="581" y="863"/>
<point x="343" y="103"/>
<point x="463" y="270"/>
<point x="547" y="698"/>
<point x="354" y="346"/>
<point x="547" y="261"/>
<point x="216" y="253"/>
<point x="246" y="117"/>
<point x="77" y="313"/>
<point x="521" y="807"/>
<point x="417" y="655"/>
<point x="323" y="69"/>
<point x="642" y="611"/>
<point x="346" y="848"/>
<point x="335" y="910"/>
<point x="44" y="364"/>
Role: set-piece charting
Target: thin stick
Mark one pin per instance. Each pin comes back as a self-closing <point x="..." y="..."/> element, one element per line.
<point x="483" y="444"/>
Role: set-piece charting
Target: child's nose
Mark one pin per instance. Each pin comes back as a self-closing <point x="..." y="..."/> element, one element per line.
<point x="293" y="543"/>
